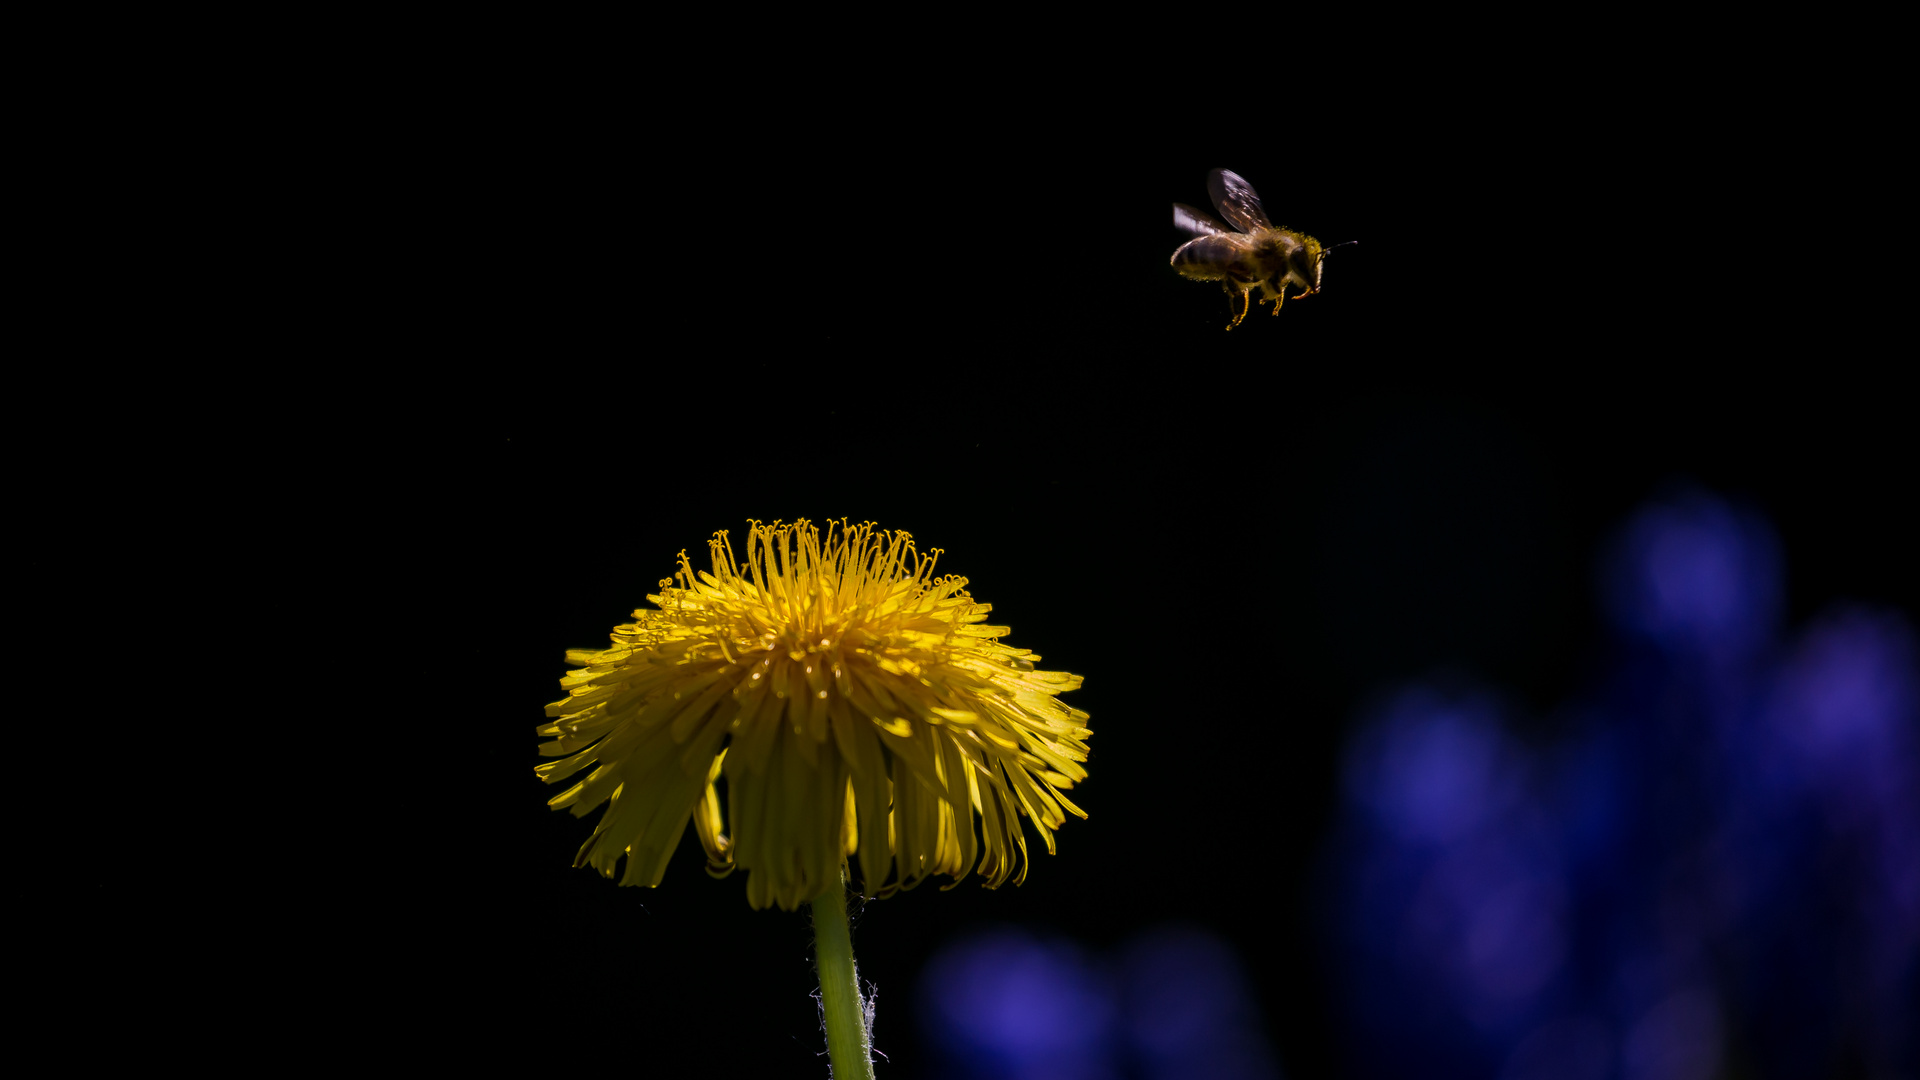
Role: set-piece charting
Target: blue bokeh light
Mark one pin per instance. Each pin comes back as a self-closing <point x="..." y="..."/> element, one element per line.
<point x="1171" y="1004"/>
<point x="1704" y="862"/>
<point x="1006" y="1003"/>
<point x="1716" y="844"/>
<point x="1452" y="900"/>
<point x="1694" y="574"/>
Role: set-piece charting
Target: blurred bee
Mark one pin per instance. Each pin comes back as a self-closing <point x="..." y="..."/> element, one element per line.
<point x="1260" y="254"/>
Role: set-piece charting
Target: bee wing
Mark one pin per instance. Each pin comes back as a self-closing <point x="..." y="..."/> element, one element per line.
<point x="1196" y="222"/>
<point x="1236" y="201"/>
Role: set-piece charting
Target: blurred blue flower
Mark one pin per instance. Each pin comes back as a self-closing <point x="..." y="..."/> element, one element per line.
<point x="1823" y="847"/>
<point x="1004" y="1004"/>
<point x="1721" y="844"/>
<point x="1844" y="714"/>
<point x="1692" y="574"/>
<point x="1431" y="770"/>
<point x="1452" y="903"/>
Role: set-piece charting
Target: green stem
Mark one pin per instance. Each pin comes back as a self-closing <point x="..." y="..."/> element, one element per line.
<point x="848" y="1043"/>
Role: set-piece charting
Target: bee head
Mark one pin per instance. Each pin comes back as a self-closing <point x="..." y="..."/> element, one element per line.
<point x="1320" y="259"/>
<point x="1303" y="263"/>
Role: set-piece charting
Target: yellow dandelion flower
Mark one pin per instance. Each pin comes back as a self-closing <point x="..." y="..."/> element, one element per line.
<point x="853" y="703"/>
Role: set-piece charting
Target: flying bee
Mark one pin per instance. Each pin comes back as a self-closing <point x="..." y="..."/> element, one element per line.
<point x="1260" y="254"/>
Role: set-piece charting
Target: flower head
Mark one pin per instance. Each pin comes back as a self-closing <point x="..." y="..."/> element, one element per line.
<point x="853" y="703"/>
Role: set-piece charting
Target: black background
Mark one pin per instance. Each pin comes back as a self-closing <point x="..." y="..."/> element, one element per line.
<point x="565" y="342"/>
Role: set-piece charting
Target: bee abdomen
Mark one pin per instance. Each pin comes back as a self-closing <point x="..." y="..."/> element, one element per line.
<point x="1210" y="257"/>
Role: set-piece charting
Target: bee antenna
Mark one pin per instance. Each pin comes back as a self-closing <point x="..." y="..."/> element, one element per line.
<point x="1328" y="251"/>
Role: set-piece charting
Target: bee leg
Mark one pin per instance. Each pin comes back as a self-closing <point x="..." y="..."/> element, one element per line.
<point x="1237" y="305"/>
<point x="1279" y="298"/>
